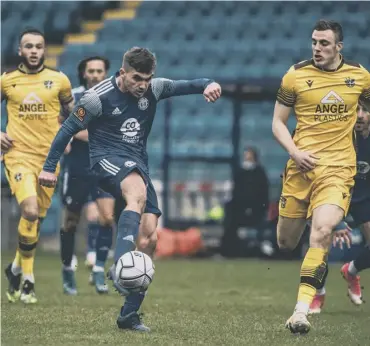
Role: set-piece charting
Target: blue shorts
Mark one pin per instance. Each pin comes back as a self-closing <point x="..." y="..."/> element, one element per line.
<point x="79" y="190"/>
<point x="111" y="172"/>
<point x="360" y="211"/>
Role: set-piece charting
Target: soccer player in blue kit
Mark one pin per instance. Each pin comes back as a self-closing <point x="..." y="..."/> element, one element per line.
<point x="118" y="114"/>
<point x="360" y="212"/>
<point x="80" y="188"/>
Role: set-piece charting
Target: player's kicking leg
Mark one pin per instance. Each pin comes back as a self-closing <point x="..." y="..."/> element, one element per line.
<point x="105" y="204"/>
<point x="134" y="192"/>
<point x="351" y="270"/>
<point x="138" y="198"/>
<point x="324" y="220"/>
<point x="146" y="243"/>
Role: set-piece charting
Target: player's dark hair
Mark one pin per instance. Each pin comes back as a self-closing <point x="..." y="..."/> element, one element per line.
<point x="139" y="59"/>
<point x="82" y="67"/>
<point x="323" y="25"/>
<point x="32" y="31"/>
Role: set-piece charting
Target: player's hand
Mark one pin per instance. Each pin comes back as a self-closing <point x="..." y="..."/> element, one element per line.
<point x="342" y="236"/>
<point x="47" y="179"/>
<point x="6" y="142"/>
<point x="304" y="160"/>
<point x="212" y="92"/>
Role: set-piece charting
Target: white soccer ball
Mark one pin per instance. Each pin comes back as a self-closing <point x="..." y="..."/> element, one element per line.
<point x="134" y="271"/>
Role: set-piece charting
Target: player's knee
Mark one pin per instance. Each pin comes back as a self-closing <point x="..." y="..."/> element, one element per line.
<point x="137" y="201"/>
<point x="321" y="236"/>
<point x="30" y="211"/>
<point x="107" y="220"/>
<point x="71" y="221"/>
<point x="148" y="244"/>
<point x="92" y="218"/>
<point x="92" y="213"/>
<point x="285" y="242"/>
<point x="285" y="245"/>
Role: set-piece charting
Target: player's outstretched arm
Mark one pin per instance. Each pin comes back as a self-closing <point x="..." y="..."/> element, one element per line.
<point x="164" y="88"/>
<point x="88" y="108"/>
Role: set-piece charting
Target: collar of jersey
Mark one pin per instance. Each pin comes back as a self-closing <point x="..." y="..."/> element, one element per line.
<point x="327" y="70"/>
<point x="114" y="81"/>
<point x="23" y="69"/>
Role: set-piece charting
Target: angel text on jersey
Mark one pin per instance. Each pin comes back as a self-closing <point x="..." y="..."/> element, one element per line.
<point x="130" y="131"/>
<point x="32" y="108"/>
<point x="331" y="108"/>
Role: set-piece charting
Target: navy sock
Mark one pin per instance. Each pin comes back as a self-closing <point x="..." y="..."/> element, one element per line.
<point x="67" y="245"/>
<point x="363" y="260"/>
<point x="127" y="232"/>
<point x="132" y="303"/>
<point x="323" y="282"/>
<point x="103" y="244"/>
<point x="92" y="234"/>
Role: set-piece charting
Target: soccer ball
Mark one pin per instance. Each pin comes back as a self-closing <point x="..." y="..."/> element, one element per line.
<point x="134" y="271"/>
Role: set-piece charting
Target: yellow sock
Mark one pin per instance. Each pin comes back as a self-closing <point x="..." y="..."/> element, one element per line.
<point x="28" y="236"/>
<point x="312" y="273"/>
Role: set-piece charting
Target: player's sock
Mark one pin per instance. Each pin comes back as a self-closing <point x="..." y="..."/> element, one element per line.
<point x="128" y="230"/>
<point x="361" y="262"/>
<point x="28" y="236"/>
<point x="312" y="273"/>
<point x="16" y="265"/>
<point x="103" y="244"/>
<point x="67" y="245"/>
<point x="92" y="235"/>
<point x="321" y="288"/>
<point x="132" y="303"/>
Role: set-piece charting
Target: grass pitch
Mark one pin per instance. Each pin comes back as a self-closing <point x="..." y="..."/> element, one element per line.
<point x="191" y="302"/>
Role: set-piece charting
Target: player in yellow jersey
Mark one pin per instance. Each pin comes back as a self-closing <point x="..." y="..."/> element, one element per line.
<point x="319" y="177"/>
<point x="35" y="96"/>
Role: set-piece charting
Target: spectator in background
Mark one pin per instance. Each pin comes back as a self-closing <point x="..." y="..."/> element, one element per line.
<point x="249" y="202"/>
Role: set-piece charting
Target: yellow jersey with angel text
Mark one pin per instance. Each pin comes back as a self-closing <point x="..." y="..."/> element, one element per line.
<point x="33" y="103"/>
<point x="325" y="104"/>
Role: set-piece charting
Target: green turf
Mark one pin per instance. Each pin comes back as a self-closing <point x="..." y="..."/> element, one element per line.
<point x="189" y="303"/>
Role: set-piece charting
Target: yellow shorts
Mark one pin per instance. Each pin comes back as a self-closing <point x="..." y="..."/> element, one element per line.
<point x="303" y="192"/>
<point x="23" y="181"/>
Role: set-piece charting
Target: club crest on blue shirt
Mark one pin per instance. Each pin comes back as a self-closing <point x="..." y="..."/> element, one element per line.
<point x="143" y="103"/>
